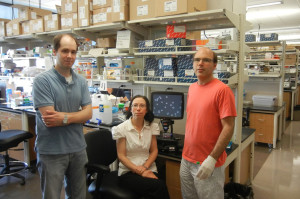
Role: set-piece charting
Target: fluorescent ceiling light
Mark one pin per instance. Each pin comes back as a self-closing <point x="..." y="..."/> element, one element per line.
<point x="264" y="4"/>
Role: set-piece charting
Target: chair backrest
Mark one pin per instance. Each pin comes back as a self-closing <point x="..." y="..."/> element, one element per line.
<point x="101" y="148"/>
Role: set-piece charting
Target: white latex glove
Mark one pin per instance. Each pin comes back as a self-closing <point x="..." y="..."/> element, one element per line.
<point x="206" y="168"/>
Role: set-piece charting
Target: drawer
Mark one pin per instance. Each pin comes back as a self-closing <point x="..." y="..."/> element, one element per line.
<point x="263" y="123"/>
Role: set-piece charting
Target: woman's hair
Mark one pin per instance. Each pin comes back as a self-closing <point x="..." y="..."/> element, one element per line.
<point x="57" y="39"/>
<point x="149" y="117"/>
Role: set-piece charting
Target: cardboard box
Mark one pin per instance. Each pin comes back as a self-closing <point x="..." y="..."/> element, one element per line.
<point x="120" y="13"/>
<point x="36" y="25"/>
<point x="102" y="16"/>
<point x="69" y="6"/>
<point x="269" y="37"/>
<point x="52" y="22"/>
<point x="85" y="14"/>
<point x="109" y="42"/>
<point x="26" y="28"/>
<point x="193" y="35"/>
<point x="290" y="59"/>
<point x="176" y="31"/>
<point x="250" y="38"/>
<point x="142" y="9"/>
<point x="172" y="7"/>
<point x="97" y="4"/>
<point x="13" y="28"/>
<point x="186" y="75"/>
<point x="185" y="62"/>
<point x="29" y="13"/>
<point x="127" y="39"/>
<point x="3" y="23"/>
<point x="69" y="21"/>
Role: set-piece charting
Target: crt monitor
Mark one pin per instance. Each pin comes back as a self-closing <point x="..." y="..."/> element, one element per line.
<point x="167" y="105"/>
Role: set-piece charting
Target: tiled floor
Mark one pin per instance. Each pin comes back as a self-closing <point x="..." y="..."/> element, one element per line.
<point x="276" y="172"/>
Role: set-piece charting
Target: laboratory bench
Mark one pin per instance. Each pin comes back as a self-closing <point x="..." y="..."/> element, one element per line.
<point x="269" y="123"/>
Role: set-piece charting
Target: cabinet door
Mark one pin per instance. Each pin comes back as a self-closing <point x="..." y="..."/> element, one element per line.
<point x="287" y="98"/>
<point x="263" y="123"/>
<point x="173" y="179"/>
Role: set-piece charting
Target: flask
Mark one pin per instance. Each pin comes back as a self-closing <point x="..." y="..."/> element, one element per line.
<point x="105" y="110"/>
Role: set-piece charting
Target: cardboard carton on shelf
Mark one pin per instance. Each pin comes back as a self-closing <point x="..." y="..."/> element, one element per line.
<point x="142" y="9"/>
<point x="25" y="27"/>
<point x="37" y="25"/>
<point x="29" y="13"/>
<point x="97" y="4"/>
<point x="3" y="23"/>
<point x="102" y="16"/>
<point x="120" y="13"/>
<point x="69" y="21"/>
<point x="290" y="59"/>
<point x="52" y="22"/>
<point x="69" y="6"/>
<point x="167" y="7"/>
<point x="85" y="14"/>
<point x="13" y="28"/>
<point x="109" y="42"/>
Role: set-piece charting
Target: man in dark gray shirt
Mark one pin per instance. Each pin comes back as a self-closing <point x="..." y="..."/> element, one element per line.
<point x="62" y="101"/>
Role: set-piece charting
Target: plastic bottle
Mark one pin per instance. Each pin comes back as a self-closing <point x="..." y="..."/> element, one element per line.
<point x="96" y="100"/>
<point x="95" y="70"/>
<point x="127" y="72"/>
<point x="88" y="71"/>
<point x="87" y="44"/>
<point x="105" y="110"/>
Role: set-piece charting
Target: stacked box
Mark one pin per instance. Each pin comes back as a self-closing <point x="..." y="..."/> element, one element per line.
<point x="97" y="4"/>
<point x="164" y="45"/>
<point x="176" y="31"/>
<point x="268" y="37"/>
<point x="142" y="9"/>
<point x="151" y="69"/>
<point x="250" y="38"/>
<point x="13" y="27"/>
<point x="120" y="10"/>
<point x="167" y="67"/>
<point x="30" y="13"/>
<point x="52" y="22"/>
<point x="85" y="14"/>
<point x="3" y="23"/>
<point x="69" y="6"/>
<point x="26" y="27"/>
<point x="69" y="21"/>
<point x="186" y="75"/>
<point x="172" y="7"/>
<point x="36" y="25"/>
<point x="102" y="16"/>
<point x="185" y="62"/>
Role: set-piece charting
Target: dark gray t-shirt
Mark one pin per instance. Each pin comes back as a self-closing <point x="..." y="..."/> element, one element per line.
<point x="51" y="89"/>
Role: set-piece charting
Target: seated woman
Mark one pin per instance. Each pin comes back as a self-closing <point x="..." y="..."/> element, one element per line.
<point x="137" y="151"/>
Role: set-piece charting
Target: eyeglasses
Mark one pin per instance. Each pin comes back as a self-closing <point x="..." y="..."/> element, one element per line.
<point x="204" y="60"/>
<point x="139" y="105"/>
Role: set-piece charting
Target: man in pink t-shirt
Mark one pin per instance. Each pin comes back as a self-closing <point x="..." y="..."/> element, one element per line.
<point x="209" y="127"/>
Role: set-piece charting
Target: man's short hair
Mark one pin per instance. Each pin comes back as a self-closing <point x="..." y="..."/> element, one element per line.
<point x="57" y="39"/>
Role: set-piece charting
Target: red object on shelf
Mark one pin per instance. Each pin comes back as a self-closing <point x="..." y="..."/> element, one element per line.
<point x="176" y="31"/>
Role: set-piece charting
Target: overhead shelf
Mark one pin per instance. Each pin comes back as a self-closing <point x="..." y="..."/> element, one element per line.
<point x="264" y="43"/>
<point x="204" y="20"/>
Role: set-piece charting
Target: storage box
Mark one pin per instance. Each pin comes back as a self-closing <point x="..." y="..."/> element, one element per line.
<point x="290" y="59"/>
<point x="166" y="75"/>
<point x="186" y="75"/>
<point x="167" y="63"/>
<point x="69" y="6"/>
<point x="120" y="13"/>
<point x="69" y="21"/>
<point x="36" y="25"/>
<point x="176" y="31"/>
<point x="264" y="100"/>
<point x="172" y="7"/>
<point x="142" y="9"/>
<point x="109" y="42"/>
<point x="13" y="27"/>
<point x="151" y="69"/>
<point x="52" y="22"/>
<point x="26" y="28"/>
<point x="29" y="13"/>
<point x="97" y="4"/>
<point x="127" y="39"/>
<point x="85" y="14"/>
<point x="3" y="23"/>
<point x="268" y="37"/>
<point x="185" y="62"/>
<point x="102" y="16"/>
<point x="250" y="38"/>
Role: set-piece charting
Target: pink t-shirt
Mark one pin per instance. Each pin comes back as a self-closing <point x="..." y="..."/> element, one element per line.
<point x="206" y="106"/>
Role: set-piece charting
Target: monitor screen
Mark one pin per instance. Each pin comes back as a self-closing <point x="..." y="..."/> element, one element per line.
<point x="167" y="105"/>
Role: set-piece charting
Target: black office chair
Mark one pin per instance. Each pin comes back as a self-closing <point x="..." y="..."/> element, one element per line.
<point x="10" y="139"/>
<point x="101" y="152"/>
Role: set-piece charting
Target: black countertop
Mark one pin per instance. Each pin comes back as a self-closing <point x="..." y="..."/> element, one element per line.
<point x="263" y="108"/>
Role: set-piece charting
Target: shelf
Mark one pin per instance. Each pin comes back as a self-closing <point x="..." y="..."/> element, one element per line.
<point x="204" y="20"/>
<point x="262" y="60"/>
<point x="265" y="75"/>
<point x="263" y="43"/>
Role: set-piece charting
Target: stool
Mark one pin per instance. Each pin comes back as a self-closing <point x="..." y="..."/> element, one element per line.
<point x="9" y="139"/>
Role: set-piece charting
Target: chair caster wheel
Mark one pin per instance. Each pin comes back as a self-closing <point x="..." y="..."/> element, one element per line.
<point x="23" y="183"/>
<point x="270" y="146"/>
